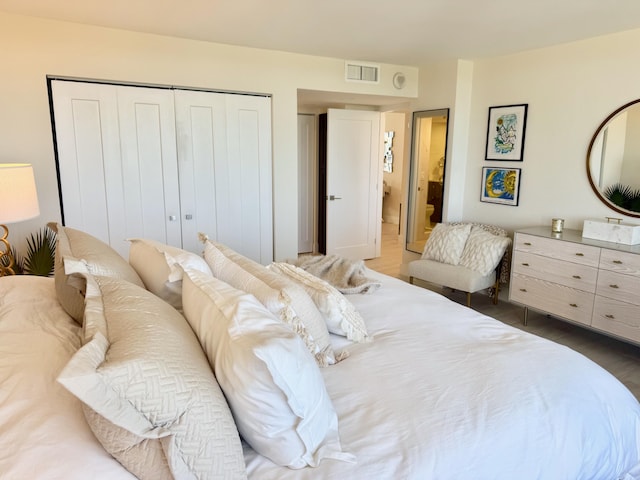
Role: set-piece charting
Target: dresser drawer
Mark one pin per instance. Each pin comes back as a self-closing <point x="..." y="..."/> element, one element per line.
<point x="560" y="300"/>
<point x="619" y="318"/>
<point x="622" y="262"/>
<point x="561" y="250"/>
<point x="619" y="286"/>
<point x="574" y="275"/>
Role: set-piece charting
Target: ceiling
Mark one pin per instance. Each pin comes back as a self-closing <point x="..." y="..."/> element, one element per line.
<point x="405" y="32"/>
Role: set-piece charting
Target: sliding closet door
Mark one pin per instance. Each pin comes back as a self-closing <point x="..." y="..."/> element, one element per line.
<point x="244" y="180"/>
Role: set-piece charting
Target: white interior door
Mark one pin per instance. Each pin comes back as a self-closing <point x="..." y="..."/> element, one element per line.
<point x="354" y="173"/>
<point x="307" y="180"/>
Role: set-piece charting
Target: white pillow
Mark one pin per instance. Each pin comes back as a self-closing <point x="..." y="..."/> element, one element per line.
<point x="339" y="313"/>
<point x="483" y="251"/>
<point x="300" y="312"/>
<point x="446" y="243"/>
<point x="151" y="397"/>
<point x="275" y="389"/>
<point x="160" y="267"/>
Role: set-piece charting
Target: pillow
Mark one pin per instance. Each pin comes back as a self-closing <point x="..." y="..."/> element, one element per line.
<point x="339" y="314"/>
<point x="151" y="398"/>
<point x="84" y="254"/>
<point x="252" y="277"/>
<point x="273" y="385"/>
<point x="446" y="243"/>
<point x="160" y="268"/>
<point x="483" y="250"/>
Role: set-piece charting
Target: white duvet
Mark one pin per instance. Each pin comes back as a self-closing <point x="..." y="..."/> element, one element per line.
<point x="441" y="392"/>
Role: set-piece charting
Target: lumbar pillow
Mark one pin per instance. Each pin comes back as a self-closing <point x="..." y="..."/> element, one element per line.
<point x="446" y="243"/>
<point x="160" y="267"/>
<point x="339" y="313"/>
<point x="273" y="385"/>
<point x="301" y="313"/>
<point x="483" y="250"/>
<point x="151" y="398"/>
<point x="77" y="253"/>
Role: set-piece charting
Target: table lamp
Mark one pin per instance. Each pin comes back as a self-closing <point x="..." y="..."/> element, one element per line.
<point x="18" y="202"/>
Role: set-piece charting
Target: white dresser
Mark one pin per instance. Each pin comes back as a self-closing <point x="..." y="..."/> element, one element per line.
<point x="590" y="282"/>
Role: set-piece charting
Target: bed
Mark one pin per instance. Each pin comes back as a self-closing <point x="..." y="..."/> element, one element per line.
<point x="437" y="391"/>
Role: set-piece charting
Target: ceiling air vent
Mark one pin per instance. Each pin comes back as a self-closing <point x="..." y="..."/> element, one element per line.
<point x="362" y="72"/>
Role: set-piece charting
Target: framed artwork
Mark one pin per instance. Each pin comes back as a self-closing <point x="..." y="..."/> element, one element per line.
<point x="505" y="132"/>
<point x="500" y="185"/>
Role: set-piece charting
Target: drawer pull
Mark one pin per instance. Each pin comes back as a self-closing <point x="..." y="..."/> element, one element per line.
<point x="574" y="305"/>
<point x="618" y="262"/>
<point x="614" y="286"/>
<point x="577" y="276"/>
<point x="523" y="289"/>
<point x="525" y="264"/>
<point x="528" y="244"/>
<point x="579" y="254"/>
<point x="610" y="316"/>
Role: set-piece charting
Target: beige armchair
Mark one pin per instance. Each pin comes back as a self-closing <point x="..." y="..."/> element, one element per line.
<point x="465" y="256"/>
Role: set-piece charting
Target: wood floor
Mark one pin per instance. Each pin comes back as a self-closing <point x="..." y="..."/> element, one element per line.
<point x="620" y="358"/>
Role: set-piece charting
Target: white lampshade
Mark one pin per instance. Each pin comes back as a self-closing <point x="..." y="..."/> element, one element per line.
<point x="18" y="195"/>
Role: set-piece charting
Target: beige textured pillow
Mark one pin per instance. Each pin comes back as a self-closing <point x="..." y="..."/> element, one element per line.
<point x="252" y="277"/>
<point x="275" y="389"/>
<point x="339" y="313"/>
<point x="483" y="250"/>
<point x="161" y="268"/>
<point x="151" y="397"/>
<point x="84" y="254"/>
<point x="446" y="243"/>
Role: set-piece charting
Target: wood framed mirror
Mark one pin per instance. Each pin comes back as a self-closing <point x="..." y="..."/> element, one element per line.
<point x="613" y="160"/>
<point x="426" y="175"/>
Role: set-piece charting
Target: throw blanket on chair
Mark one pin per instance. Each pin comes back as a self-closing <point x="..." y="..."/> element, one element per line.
<point x="347" y="276"/>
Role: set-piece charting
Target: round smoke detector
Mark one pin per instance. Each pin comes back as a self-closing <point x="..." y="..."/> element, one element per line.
<point x="399" y="80"/>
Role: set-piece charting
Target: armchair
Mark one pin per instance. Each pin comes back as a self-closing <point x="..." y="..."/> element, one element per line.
<point x="465" y="256"/>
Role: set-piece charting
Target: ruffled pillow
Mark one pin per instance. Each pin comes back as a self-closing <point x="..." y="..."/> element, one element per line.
<point x="339" y="313"/>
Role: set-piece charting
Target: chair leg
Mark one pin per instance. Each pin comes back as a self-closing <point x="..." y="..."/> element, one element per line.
<point x="468" y="299"/>
<point x="411" y="280"/>
<point x="496" y="292"/>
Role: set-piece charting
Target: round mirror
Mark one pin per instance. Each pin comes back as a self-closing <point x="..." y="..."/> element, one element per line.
<point x="613" y="160"/>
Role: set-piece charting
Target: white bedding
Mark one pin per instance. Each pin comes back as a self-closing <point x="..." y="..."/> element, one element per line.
<point x="442" y="392"/>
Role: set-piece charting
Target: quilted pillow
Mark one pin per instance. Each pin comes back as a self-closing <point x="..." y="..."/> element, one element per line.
<point x="160" y="268"/>
<point x="446" y="243"/>
<point x="483" y="250"/>
<point x="300" y="312"/>
<point x="339" y="313"/>
<point x="84" y="254"/>
<point x="151" y="398"/>
<point x="273" y="385"/>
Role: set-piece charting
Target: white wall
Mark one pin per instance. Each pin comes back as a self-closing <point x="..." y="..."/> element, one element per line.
<point x="570" y="90"/>
<point x="34" y="48"/>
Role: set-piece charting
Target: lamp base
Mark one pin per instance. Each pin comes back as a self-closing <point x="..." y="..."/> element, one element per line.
<point x="6" y="256"/>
